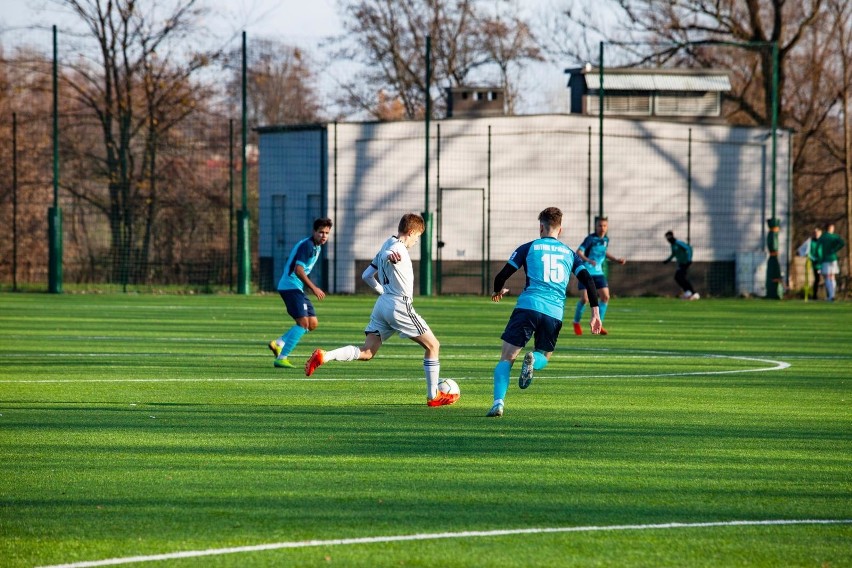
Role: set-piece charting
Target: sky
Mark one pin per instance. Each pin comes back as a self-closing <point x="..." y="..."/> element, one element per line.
<point x="304" y="23"/>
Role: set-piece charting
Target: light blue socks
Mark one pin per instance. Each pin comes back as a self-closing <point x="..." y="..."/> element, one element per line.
<point x="581" y="307"/>
<point x="539" y="360"/>
<point x="291" y="339"/>
<point x="578" y="311"/>
<point x="504" y="368"/>
<point x="501" y="379"/>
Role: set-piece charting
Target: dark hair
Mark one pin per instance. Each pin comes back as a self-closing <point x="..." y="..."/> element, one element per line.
<point x="669" y="233"/>
<point x="322" y="222"/>
<point x="601" y="218"/>
<point x="551" y="217"/>
<point x="411" y="222"/>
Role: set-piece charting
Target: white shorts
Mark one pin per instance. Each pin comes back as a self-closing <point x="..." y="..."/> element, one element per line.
<point x="829" y="268"/>
<point x="395" y="314"/>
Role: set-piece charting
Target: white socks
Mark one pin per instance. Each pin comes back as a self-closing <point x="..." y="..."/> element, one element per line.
<point x="432" y="368"/>
<point x="348" y="353"/>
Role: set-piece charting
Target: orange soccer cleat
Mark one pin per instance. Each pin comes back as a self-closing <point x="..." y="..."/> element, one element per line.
<point x="442" y="399"/>
<point x="316" y="359"/>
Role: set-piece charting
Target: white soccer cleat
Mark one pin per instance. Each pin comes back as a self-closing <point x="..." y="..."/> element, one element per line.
<point x="496" y="411"/>
<point x="526" y="370"/>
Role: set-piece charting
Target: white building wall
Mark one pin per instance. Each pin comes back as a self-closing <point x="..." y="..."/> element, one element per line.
<point x="540" y="161"/>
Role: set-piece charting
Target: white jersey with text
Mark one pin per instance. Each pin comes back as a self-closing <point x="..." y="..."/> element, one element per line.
<point x="396" y="279"/>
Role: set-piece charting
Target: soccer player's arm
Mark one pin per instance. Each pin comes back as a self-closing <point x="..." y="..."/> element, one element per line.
<point x="303" y="255"/>
<point x="303" y="276"/>
<point x="616" y="259"/>
<point x="581" y="252"/>
<point x="500" y="282"/>
<point x="589" y="282"/>
<point x="369" y="278"/>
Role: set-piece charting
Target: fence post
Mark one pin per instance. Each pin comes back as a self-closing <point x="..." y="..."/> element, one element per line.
<point x="243" y="244"/>
<point x="54" y="214"/>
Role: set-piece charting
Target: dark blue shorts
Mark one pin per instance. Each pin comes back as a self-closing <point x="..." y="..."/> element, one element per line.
<point x="523" y="324"/>
<point x="600" y="282"/>
<point x="298" y="304"/>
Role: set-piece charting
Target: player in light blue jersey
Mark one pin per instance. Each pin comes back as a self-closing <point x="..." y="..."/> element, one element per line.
<point x="291" y="287"/>
<point x="548" y="265"/>
<point x="593" y="251"/>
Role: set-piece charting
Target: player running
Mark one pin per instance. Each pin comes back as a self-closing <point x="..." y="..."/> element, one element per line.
<point x="682" y="253"/>
<point x="548" y="265"/>
<point x="593" y="251"/>
<point x="292" y="286"/>
<point x="391" y="274"/>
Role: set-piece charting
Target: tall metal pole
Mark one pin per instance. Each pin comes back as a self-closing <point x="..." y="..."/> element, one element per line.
<point x="601" y="132"/>
<point x="589" y="185"/>
<point x="439" y="212"/>
<point x="774" y="122"/>
<point x="231" y="205"/>
<point x="774" y="278"/>
<point x="243" y="245"/>
<point x="426" y="238"/>
<point x="54" y="270"/>
<point x="689" y="188"/>
<point x="14" y="202"/>
<point x="488" y="216"/>
<point x="334" y="243"/>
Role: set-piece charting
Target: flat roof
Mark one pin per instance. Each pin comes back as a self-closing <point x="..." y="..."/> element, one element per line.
<point x="655" y="79"/>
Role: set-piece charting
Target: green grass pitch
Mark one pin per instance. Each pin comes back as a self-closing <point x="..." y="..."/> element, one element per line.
<point x="138" y="426"/>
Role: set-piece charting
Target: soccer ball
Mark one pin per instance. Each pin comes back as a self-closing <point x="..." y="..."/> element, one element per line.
<point x="448" y="386"/>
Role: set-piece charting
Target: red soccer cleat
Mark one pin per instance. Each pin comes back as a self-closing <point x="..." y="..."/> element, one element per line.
<point x="442" y="399"/>
<point x="316" y="359"/>
<point x="578" y="329"/>
<point x="603" y="331"/>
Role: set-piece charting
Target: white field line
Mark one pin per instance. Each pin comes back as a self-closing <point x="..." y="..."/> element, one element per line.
<point x="434" y="536"/>
<point x="773" y="366"/>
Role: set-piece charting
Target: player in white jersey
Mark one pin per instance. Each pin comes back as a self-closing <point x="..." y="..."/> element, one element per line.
<point x="391" y="275"/>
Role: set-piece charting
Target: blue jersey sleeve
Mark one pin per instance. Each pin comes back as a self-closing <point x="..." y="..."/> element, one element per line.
<point x="518" y="258"/>
<point x="303" y="255"/>
<point x="578" y="265"/>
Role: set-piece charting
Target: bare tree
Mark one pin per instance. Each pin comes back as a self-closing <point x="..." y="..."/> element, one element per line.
<point x="138" y="88"/>
<point x="841" y="14"/>
<point x="25" y="85"/>
<point x="510" y="43"/>
<point x="281" y="84"/>
<point x="390" y="36"/>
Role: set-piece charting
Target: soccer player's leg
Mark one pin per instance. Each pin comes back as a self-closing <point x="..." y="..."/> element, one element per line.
<point x="579" y="309"/>
<point x="518" y="332"/>
<point x="432" y="368"/>
<point x="302" y="311"/>
<point x="546" y="334"/>
<point x="603" y="299"/>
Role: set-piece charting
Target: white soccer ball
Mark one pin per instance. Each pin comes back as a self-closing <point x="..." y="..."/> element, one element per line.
<point x="448" y="386"/>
